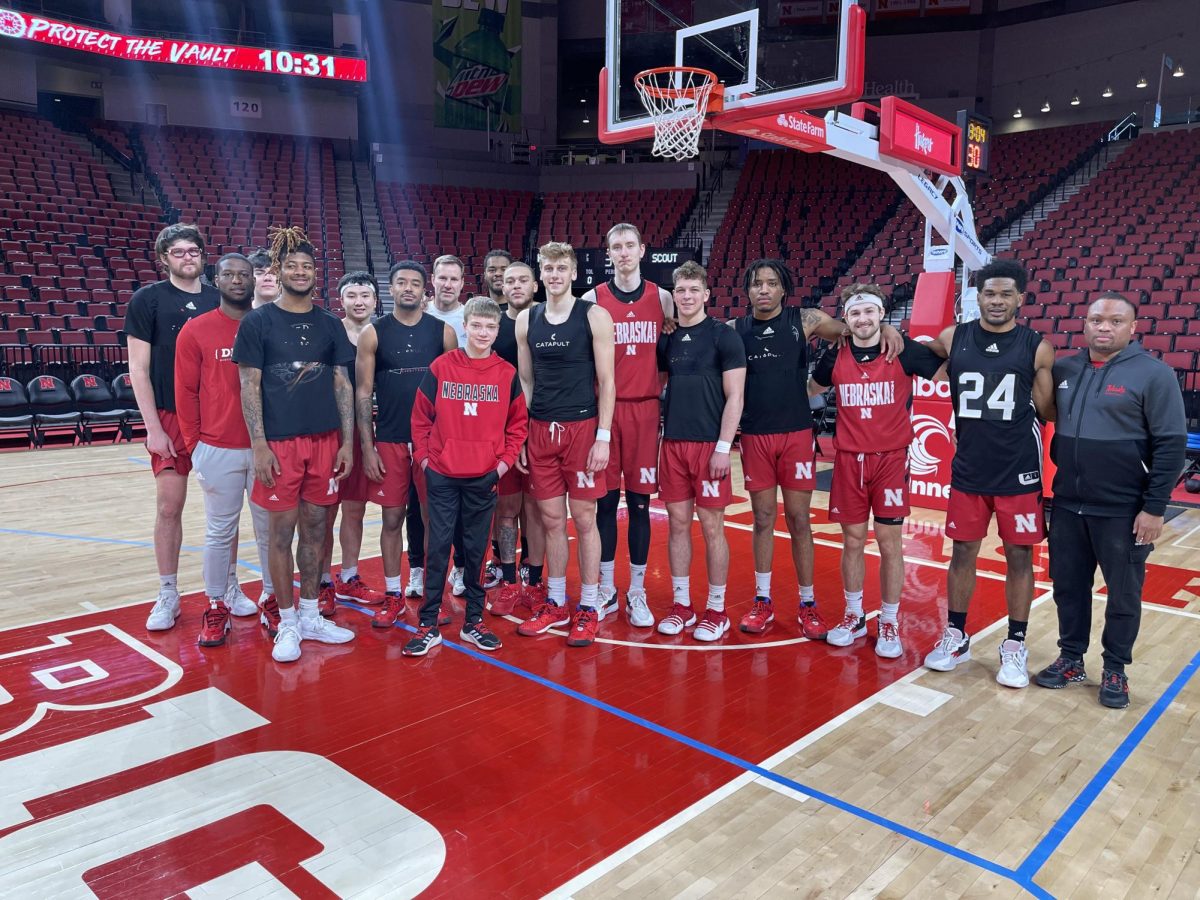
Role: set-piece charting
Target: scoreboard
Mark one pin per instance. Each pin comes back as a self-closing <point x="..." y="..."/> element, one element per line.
<point x="977" y="142"/>
<point x="657" y="266"/>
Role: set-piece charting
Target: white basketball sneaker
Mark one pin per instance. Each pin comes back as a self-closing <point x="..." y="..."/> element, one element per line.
<point x="287" y="643"/>
<point x="1014" y="668"/>
<point x="888" y="643"/>
<point x="457" y="586"/>
<point x="318" y="628"/>
<point x="637" y="610"/>
<point x="416" y="583"/>
<point x="608" y="602"/>
<point x="239" y="604"/>
<point x="953" y="648"/>
<point x="164" y="612"/>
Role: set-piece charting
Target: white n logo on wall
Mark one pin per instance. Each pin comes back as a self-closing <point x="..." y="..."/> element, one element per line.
<point x="893" y="497"/>
<point x="470" y="409"/>
<point x="1026" y="524"/>
<point x="585" y="479"/>
<point x="710" y="488"/>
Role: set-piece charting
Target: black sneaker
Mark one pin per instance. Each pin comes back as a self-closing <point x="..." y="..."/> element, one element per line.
<point x="1114" y="689"/>
<point x="426" y="638"/>
<point x="1060" y="673"/>
<point x="479" y="635"/>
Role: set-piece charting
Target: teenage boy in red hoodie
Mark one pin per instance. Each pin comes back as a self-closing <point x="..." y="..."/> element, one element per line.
<point x="468" y="424"/>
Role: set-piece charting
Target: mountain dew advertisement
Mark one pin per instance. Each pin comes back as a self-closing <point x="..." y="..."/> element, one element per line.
<point x="477" y="64"/>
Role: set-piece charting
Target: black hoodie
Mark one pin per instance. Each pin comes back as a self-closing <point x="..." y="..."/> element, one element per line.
<point x="1121" y="435"/>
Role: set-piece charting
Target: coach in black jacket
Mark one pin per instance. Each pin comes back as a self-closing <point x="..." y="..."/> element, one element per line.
<point x="1119" y="445"/>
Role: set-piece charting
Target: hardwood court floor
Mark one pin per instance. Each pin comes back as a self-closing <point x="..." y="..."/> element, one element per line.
<point x="138" y="765"/>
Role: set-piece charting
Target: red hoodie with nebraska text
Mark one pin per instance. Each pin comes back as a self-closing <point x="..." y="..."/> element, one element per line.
<point x="469" y="415"/>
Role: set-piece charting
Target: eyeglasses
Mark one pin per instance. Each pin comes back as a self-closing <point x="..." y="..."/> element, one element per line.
<point x="189" y="253"/>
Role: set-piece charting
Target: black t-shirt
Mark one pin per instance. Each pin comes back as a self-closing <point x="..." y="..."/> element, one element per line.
<point x="402" y="358"/>
<point x="915" y="359"/>
<point x="297" y="353"/>
<point x="506" y="340"/>
<point x="695" y="358"/>
<point x="155" y="315"/>
<point x="776" y="373"/>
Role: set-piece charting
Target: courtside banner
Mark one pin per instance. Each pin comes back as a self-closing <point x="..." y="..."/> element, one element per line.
<point x="173" y="51"/>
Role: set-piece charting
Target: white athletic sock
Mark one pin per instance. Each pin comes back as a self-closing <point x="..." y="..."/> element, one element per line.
<point x="589" y="595"/>
<point x="716" y="597"/>
<point x="854" y="602"/>
<point x="889" y="612"/>
<point x="556" y="590"/>
<point x="806" y="594"/>
<point x="607" y="570"/>
<point x="348" y="572"/>
<point x="681" y="590"/>
<point x="308" y="608"/>
<point x="288" y="616"/>
<point x="637" y="577"/>
<point x="168" y="583"/>
<point x="391" y="584"/>
<point x="762" y="584"/>
<point x="327" y="578"/>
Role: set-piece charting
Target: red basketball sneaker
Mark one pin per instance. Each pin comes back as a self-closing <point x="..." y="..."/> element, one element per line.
<point x="393" y="608"/>
<point x="268" y="614"/>
<point x="327" y="601"/>
<point x="503" y="601"/>
<point x="812" y="624"/>
<point x="761" y="614"/>
<point x="355" y="590"/>
<point x="546" y="616"/>
<point x="214" y="625"/>
<point x="584" y="626"/>
<point x="532" y="597"/>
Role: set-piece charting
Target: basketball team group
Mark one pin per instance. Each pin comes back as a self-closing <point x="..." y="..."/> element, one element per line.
<point x="480" y="428"/>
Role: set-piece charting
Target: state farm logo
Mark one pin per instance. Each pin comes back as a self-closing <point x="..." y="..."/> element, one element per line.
<point x="926" y="389"/>
<point x="12" y="24"/>
<point x="922" y="142"/>
<point x="802" y="124"/>
<point x="922" y="459"/>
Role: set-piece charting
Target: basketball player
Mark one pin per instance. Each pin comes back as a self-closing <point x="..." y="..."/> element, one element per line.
<point x="155" y="315"/>
<point x="468" y="425"/>
<point x="356" y="292"/>
<point x="266" y="282"/>
<point x="299" y="408"/>
<point x="705" y="368"/>
<point x="870" y="472"/>
<point x="494" y="266"/>
<point x="638" y="309"/>
<point x="394" y="354"/>
<point x="777" y="431"/>
<point x="520" y="292"/>
<point x="214" y="433"/>
<point x="565" y="350"/>
<point x="1119" y="448"/>
<point x="999" y="375"/>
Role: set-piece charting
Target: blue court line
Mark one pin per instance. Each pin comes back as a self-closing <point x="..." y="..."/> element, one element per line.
<point x="1080" y="805"/>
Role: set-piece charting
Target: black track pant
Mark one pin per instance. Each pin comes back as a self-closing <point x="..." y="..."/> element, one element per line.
<point x="416" y="532"/>
<point x="469" y="501"/>
<point x="1079" y="543"/>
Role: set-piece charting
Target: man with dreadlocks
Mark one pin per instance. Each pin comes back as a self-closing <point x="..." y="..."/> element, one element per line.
<point x="299" y="407"/>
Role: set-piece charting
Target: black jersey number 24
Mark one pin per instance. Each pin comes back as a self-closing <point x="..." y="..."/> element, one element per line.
<point x="991" y="397"/>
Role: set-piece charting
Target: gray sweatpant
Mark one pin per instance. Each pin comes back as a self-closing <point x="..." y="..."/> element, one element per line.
<point x="226" y="477"/>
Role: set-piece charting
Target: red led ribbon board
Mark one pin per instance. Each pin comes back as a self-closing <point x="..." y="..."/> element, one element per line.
<point x="173" y="51"/>
<point x="912" y="135"/>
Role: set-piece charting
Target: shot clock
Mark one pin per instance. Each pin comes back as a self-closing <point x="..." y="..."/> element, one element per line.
<point x="977" y="141"/>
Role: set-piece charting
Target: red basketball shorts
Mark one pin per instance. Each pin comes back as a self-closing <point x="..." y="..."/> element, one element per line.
<point x="306" y="472"/>
<point x="683" y="475"/>
<point x="355" y="485"/>
<point x="181" y="462"/>
<point x="398" y="473"/>
<point x="634" y="449"/>
<point x="866" y="484"/>
<point x="784" y="460"/>
<point x="514" y="482"/>
<point x="1019" y="517"/>
<point x="557" y="453"/>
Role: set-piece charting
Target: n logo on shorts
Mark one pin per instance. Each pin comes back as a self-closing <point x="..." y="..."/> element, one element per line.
<point x="804" y="470"/>
<point x="332" y="487"/>
<point x="1026" y="523"/>
<point x="710" y="489"/>
<point x="585" y="479"/>
<point x="893" y="497"/>
<point x="470" y="409"/>
<point x="649" y="476"/>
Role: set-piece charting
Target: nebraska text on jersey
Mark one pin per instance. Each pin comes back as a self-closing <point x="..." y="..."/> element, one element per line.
<point x="636" y="332"/>
<point x="871" y="393"/>
<point x="472" y="393"/>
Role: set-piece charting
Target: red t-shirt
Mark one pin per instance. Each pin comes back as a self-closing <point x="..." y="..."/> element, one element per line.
<point x="208" y="394"/>
<point x="636" y="326"/>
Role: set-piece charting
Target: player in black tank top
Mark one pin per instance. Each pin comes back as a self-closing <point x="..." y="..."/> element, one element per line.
<point x="562" y="356"/>
<point x="403" y="354"/>
<point x="999" y="375"/>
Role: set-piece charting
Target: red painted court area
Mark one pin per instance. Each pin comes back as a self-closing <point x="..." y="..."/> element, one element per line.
<point x="356" y="769"/>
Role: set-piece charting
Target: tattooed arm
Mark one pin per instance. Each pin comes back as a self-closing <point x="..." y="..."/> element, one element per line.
<point x="266" y="466"/>
<point x="343" y="393"/>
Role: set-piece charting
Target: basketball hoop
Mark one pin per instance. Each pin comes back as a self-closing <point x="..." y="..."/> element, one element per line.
<point x="677" y="99"/>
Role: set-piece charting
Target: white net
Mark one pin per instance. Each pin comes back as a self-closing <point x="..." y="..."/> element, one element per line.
<point x="676" y="100"/>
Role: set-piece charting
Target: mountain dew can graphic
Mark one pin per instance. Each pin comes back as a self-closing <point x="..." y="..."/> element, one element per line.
<point x="477" y="64"/>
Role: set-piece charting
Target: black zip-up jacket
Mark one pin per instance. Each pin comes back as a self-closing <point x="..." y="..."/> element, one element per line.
<point x="1121" y="435"/>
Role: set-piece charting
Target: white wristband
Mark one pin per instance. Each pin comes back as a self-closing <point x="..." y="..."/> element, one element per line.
<point x="603" y="434"/>
<point x="723" y="446"/>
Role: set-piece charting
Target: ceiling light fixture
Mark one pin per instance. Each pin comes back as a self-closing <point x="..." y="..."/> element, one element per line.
<point x="1108" y="91"/>
<point x="1017" y="114"/>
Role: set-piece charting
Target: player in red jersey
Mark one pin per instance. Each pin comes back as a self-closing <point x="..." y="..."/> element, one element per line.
<point x="468" y="425"/>
<point x="870" y="473"/>
<point x="777" y="438"/>
<point x="214" y="434"/>
<point x="357" y="294"/>
<point x="705" y="369"/>
<point x="299" y="408"/>
<point x="565" y="350"/>
<point x="155" y="315"/>
<point x="515" y="502"/>
<point x="638" y="309"/>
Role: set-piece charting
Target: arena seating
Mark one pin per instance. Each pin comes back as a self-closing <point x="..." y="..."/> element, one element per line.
<point x="1135" y="228"/>
<point x="582" y="218"/>
<point x="236" y="185"/>
<point x="423" y="221"/>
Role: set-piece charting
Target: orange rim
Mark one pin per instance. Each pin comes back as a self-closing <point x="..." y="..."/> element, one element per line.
<point x="644" y="81"/>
